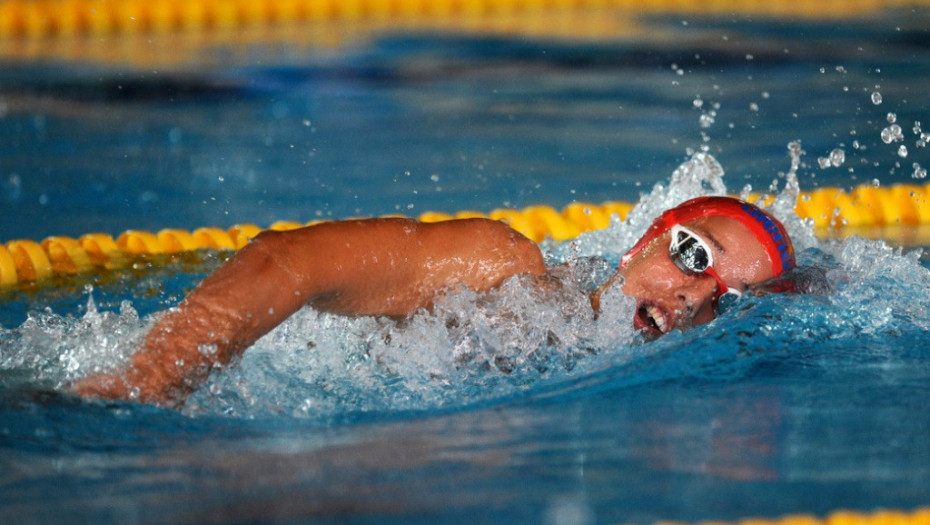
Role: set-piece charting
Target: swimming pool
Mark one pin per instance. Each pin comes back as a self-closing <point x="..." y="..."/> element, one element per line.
<point x="789" y="404"/>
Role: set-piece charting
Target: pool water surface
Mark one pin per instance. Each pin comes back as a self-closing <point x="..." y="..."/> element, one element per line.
<point x="801" y="403"/>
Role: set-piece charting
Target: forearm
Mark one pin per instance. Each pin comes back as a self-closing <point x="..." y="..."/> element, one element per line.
<point x="233" y="307"/>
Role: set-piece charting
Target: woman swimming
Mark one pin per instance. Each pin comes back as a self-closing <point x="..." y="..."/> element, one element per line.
<point x="690" y="259"/>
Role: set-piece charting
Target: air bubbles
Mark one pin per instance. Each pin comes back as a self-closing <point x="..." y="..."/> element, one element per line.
<point x="876" y="98"/>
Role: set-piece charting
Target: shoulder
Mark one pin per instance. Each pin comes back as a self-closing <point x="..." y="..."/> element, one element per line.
<point x="488" y="240"/>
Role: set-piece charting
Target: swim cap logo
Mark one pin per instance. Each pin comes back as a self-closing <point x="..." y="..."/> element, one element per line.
<point x="784" y="249"/>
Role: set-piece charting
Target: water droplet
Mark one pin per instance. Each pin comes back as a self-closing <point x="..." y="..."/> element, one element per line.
<point x="876" y="183"/>
<point x="891" y="118"/>
<point x="707" y="120"/>
<point x="892" y="134"/>
<point x="887" y="138"/>
<point x="698" y="102"/>
<point x="837" y="157"/>
<point x="902" y="151"/>
<point x="919" y="173"/>
<point x="876" y="98"/>
<point x="753" y="107"/>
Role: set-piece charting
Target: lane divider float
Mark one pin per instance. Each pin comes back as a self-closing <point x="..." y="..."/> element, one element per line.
<point x="828" y="209"/>
<point x="920" y="516"/>
<point x="41" y="19"/>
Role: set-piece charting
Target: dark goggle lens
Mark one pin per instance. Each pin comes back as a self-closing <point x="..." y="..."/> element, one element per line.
<point x="688" y="254"/>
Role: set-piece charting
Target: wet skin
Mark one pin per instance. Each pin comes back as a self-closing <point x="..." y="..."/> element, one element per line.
<point x="393" y="267"/>
<point x="669" y="298"/>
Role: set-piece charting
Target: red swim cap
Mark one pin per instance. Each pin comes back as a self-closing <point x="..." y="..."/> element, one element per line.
<point x="766" y="229"/>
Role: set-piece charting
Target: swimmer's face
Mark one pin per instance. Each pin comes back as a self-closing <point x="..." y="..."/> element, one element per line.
<point x="668" y="297"/>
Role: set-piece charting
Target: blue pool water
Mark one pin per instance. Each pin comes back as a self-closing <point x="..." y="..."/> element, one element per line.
<point x="522" y="409"/>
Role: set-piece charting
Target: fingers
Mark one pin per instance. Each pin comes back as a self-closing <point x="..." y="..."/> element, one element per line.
<point x="103" y="386"/>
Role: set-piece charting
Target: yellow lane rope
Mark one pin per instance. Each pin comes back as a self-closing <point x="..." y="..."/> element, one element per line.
<point x="920" y="516"/>
<point x="832" y="209"/>
<point x="68" y="18"/>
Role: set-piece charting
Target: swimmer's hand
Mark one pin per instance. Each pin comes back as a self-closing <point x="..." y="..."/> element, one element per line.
<point x="129" y="386"/>
<point x="102" y="386"/>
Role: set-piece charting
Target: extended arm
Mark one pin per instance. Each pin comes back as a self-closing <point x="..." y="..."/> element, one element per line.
<point x="368" y="267"/>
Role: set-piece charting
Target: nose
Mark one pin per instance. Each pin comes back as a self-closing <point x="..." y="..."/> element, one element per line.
<point x="695" y="294"/>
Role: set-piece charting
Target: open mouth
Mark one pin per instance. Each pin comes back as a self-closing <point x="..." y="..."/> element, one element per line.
<point x="651" y="319"/>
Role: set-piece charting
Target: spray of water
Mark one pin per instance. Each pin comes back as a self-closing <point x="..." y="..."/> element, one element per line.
<point x="480" y="348"/>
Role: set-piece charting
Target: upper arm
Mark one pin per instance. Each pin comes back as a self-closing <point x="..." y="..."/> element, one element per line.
<point x="394" y="266"/>
<point x="477" y="253"/>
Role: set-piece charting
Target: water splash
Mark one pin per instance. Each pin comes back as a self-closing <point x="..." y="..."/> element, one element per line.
<point x="517" y="340"/>
<point x="698" y="176"/>
<point x="57" y="349"/>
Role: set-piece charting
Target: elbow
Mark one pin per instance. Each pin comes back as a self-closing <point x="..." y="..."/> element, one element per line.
<point x="516" y="251"/>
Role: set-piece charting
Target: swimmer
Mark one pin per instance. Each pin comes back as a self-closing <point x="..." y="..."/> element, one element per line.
<point x="691" y="259"/>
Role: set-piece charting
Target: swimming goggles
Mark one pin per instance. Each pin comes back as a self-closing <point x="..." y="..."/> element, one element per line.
<point x="692" y="255"/>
